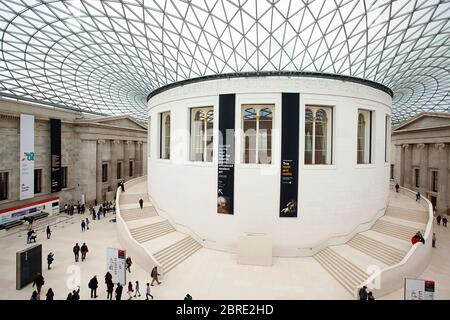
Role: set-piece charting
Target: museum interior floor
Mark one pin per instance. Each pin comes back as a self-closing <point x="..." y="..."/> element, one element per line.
<point x="206" y="274"/>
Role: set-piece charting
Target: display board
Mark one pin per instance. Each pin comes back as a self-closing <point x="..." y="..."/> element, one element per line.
<point x="225" y="180"/>
<point x="418" y="289"/>
<point x="115" y="264"/>
<point x="289" y="154"/>
<point x="55" y="154"/>
<point x="50" y="206"/>
<point x="28" y="265"/>
<point x="26" y="156"/>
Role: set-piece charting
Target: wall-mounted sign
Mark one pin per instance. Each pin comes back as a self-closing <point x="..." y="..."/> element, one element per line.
<point x="225" y="181"/>
<point x="289" y="154"/>
<point x="417" y="289"/>
<point x="115" y="264"/>
<point x="55" y="152"/>
<point x="26" y="156"/>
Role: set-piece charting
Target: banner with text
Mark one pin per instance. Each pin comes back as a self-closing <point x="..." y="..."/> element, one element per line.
<point x="26" y="156"/>
<point x="289" y="154"/>
<point x="55" y="152"/>
<point x="225" y="186"/>
<point x="115" y="264"/>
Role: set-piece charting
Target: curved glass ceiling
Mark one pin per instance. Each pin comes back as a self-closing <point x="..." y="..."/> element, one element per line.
<point x="107" y="56"/>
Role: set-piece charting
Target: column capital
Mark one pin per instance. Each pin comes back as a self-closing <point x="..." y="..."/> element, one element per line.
<point x="101" y="141"/>
<point x="421" y="145"/>
<point x="139" y="142"/>
<point x="115" y="141"/>
<point x="405" y="146"/>
<point x="441" y="146"/>
<point x="128" y="142"/>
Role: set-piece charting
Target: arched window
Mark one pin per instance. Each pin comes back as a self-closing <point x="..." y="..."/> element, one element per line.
<point x="364" y="140"/>
<point x="165" y="135"/>
<point x="318" y="136"/>
<point x="202" y="120"/>
<point x="257" y="138"/>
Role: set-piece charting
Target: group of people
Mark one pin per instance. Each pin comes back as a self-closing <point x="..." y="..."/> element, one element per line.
<point x="104" y="208"/>
<point x="83" y="249"/>
<point x="70" y="209"/>
<point x="31" y="236"/>
<point x="418" y="237"/>
<point x="364" y="295"/>
<point x="444" y="220"/>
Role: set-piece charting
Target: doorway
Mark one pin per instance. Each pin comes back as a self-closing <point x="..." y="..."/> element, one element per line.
<point x="433" y="202"/>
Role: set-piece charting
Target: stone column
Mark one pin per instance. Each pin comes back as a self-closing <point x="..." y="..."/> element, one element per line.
<point x="114" y="155"/>
<point x="442" y="198"/>
<point x="398" y="165"/>
<point x="126" y="159"/>
<point x="138" y="158"/>
<point x="99" y="193"/>
<point x="423" y="176"/>
<point x="407" y="174"/>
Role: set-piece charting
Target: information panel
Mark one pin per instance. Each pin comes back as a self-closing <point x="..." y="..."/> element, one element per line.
<point x="115" y="264"/>
<point x="26" y="156"/>
<point x="289" y="154"/>
<point x="55" y="151"/>
<point x="418" y="289"/>
<point x="225" y="185"/>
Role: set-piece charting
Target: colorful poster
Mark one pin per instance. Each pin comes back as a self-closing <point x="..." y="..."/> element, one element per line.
<point x="417" y="289"/>
<point x="225" y="181"/>
<point x="55" y="153"/>
<point x="289" y="154"/>
<point x="26" y="156"/>
<point x="50" y="206"/>
<point x="115" y="264"/>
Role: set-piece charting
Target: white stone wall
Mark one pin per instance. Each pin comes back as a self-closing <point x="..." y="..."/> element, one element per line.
<point x="333" y="199"/>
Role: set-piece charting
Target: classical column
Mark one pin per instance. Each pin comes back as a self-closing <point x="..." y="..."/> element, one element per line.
<point x="138" y="158"/>
<point x="407" y="174"/>
<point x="398" y="165"/>
<point x="126" y="159"/>
<point x="442" y="198"/>
<point x="99" y="194"/>
<point x="423" y="176"/>
<point x="114" y="155"/>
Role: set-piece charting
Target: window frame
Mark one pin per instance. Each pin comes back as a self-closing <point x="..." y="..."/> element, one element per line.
<point x="64" y="177"/>
<point x="192" y="112"/>
<point x="7" y="184"/>
<point x="38" y="181"/>
<point x="131" y="168"/>
<point x="387" y="135"/>
<point x="416" y="176"/>
<point x="368" y="137"/>
<point x="104" y="172"/>
<point x="119" y="166"/>
<point x="329" y="111"/>
<point x="434" y="180"/>
<point x="162" y="135"/>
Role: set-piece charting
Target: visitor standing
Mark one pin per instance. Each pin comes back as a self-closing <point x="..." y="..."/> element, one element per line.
<point x="93" y="285"/>
<point x="155" y="275"/>
<point x="136" y="288"/>
<point x="434" y="240"/>
<point x="50" y="260"/>
<point x="444" y="222"/>
<point x="397" y="187"/>
<point x="34" y="295"/>
<point x="49" y="232"/>
<point x="128" y="263"/>
<point x="38" y="282"/>
<point x="29" y="234"/>
<point x="87" y="223"/>
<point x="76" y="251"/>
<point x="84" y="251"/>
<point x="108" y="277"/>
<point x="83" y="226"/>
<point x="147" y="292"/>
<point x="363" y="293"/>
<point x="438" y="220"/>
<point x="130" y="290"/>
<point x="141" y="203"/>
<point x="119" y="290"/>
<point x="49" y="295"/>
<point x="109" y="290"/>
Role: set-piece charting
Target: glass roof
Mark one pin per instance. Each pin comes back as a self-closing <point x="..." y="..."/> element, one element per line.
<point x="107" y="56"/>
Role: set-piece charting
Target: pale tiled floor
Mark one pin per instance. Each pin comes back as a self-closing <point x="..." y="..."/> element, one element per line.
<point x="208" y="274"/>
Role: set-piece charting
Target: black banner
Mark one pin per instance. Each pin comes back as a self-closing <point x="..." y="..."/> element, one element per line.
<point x="289" y="154"/>
<point x="55" y="153"/>
<point x="225" y="186"/>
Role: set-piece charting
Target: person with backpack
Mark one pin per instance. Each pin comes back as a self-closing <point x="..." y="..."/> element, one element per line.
<point x="84" y="251"/>
<point x="93" y="285"/>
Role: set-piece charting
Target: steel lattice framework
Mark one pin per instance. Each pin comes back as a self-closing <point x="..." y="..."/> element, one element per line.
<point x="107" y="56"/>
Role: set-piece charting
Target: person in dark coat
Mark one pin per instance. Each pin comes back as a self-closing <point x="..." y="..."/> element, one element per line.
<point x="93" y="285"/>
<point x="397" y="187"/>
<point x="108" y="277"/>
<point x="363" y="293"/>
<point x="370" y="296"/>
<point x="83" y="226"/>
<point x="84" y="251"/>
<point x="109" y="289"/>
<point x="76" y="294"/>
<point x="87" y="223"/>
<point x="49" y="295"/>
<point x="49" y="232"/>
<point x="29" y="234"/>
<point x="34" y="295"/>
<point x="76" y="251"/>
<point x="438" y="220"/>
<point x="50" y="260"/>
<point x="444" y="222"/>
<point x="119" y="291"/>
<point x="418" y="196"/>
<point x="38" y="282"/>
<point x="141" y="203"/>
<point x="128" y="264"/>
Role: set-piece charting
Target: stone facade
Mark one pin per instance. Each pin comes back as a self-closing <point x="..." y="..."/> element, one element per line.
<point x="420" y="157"/>
<point x="87" y="143"/>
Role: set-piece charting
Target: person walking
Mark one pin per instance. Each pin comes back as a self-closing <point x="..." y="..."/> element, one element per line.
<point x="84" y="251"/>
<point x="433" y="239"/>
<point x="87" y="223"/>
<point x="119" y="290"/>
<point x="29" y="234"/>
<point x="128" y="264"/>
<point x="397" y="187"/>
<point x="136" y="289"/>
<point x="49" y="232"/>
<point x="155" y="275"/>
<point x="438" y="220"/>
<point x="363" y="293"/>
<point x="49" y="295"/>
<point x="93" y="285"/>
<point x="370" y="296"/>
<point x="50" y="260"/>
<point x="76" y="251"/>
<point x="147" y="292"/>
<point x="38" y="282"/>
<point x="444" y="222"/>
<point x="141" y="203"/>
<point x="98" y="213"/>
<point x="33" y="236"/>
<point x="130" y="290"/>
<point x="83" y="226"/>
<point x="109" y="290"/>
<point x="418" y="196"/>
<point x="122" y="186"/>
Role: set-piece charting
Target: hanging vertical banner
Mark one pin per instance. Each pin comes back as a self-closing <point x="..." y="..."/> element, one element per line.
<point x="26" y="156"/>
<point x="289" y="154"/>
<point x="225" y="186"/>
<point x="55" y="152"/>
<point x="115" y="264"/>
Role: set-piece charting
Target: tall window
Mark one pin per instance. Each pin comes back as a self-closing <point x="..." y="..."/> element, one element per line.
<point x="364" y="147"/>
<point x="104" y="172"/>
<point x="37" y="181"/>
<point x="131" y="168"/>
<point x="149" y="130"/>
<point x="4" y="185"/>
<point x="119" y="170"/>
<point x="434" y="180"/>
<point x="318" y="135"/>
<point x="202" y="120"/>
<point x="416" y="177"/>
<point x="392" y="172"/>
<point x="64" y="177"/>
<point x="165" y="135"/>
<point x="257" y="139"/>
<point x="387" y="138"/>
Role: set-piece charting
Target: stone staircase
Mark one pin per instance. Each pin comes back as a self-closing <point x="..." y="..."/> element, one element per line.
<point x="137" y="213"/>
<point x="395" y="230"/>
<point x="151" y="231"/>
<point x="376" y="249"/>
<point x="173" y="255"/>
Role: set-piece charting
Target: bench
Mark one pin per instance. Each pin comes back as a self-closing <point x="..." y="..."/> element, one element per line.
<point x="10" y="225"/>
<point x="40" y="216"/>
